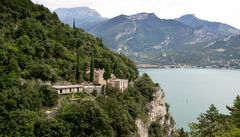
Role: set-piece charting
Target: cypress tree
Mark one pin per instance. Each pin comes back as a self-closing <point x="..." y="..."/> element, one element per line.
<point x="106" y="76"/>
<point x="116" y="70"/>
<point x="92" y="69"/>
<point x="107" y="73"/>
<point x="78" y="66"/>
<point x="78" y="61"/>
<point x="74" y="23"/>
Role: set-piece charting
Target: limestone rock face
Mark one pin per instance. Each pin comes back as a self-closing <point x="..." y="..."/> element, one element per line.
<point x="157" y="112"/>
<point x="157" y="106"/>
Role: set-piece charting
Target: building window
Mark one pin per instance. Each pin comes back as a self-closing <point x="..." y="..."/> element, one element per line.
<point x="77" y="89"/>
<point x="60" y="90"/>
<point x="70" y="90"/>
<point x="95" y="76"/>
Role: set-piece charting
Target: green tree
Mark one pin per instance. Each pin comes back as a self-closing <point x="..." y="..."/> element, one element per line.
<point x="41" y="71"/>
<point x="78" y="66"/>
<point x="235" y="111"/>
<point x="209" y="123"/>
<point x="17" y="123"/>
<point x="94" y="93"/>
<point x="146" y="86"/>
<point x="116" y="70"/>
<point x="182" y="133"/>
<point x="92" y="69"/>
<point x="50" y="96"/>
<point x="50" y="127"/>
<point x="107" y="73"/>
<point x="74" y="23"/>
<point x="13" y="66"/>
<point x="86" y="119"/>
<point x="106" y="76"/>
<point x="155" y="130"/>
<point x="119" y="112"/>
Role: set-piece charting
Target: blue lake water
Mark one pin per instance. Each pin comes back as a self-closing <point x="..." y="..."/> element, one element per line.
<point x="191" y="91"/>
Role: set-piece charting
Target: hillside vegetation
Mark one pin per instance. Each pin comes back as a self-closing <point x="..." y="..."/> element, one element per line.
<point x="35" y="44"/>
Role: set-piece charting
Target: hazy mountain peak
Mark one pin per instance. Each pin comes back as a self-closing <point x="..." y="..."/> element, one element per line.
<point x="192" y="20"/>
<point x="76" y="11"/>
<point x="141" y="16"/>
<point x="82" y="15"/>
<point x="188" y="16"/>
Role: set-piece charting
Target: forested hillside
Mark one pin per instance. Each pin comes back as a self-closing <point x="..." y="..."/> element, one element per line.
<point x="35" y="44"/>
<point x="36" y="47"/>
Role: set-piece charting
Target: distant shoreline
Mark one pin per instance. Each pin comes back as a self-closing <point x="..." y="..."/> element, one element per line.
<point x="187" y="68"/>
<point x="148" y="66"/>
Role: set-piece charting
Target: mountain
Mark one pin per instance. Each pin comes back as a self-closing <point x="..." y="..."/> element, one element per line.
<point x="224" y="48"/>
<point x="145" y="31"/>
<point x="223" y="52"/>
<point x="83" y="16"/>
<point x="147" y="39"/>
<point x="192" y="20"/>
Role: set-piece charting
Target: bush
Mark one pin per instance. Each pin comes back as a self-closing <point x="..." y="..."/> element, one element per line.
<point x="86" y="77"/>
<point x="94" y="93"/>
<point x="50" y="96"/>
<point x="41" y="71"/>
<point x="155" y="130"/>
<point x="54" y="78"/>
<point x="86" y="119"/>
<point x="26" y="75"/>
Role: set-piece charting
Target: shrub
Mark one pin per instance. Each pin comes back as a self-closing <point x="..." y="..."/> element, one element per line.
<point x="94" y="93"/>
<point x="54" y="78"/>
<point x="41" y="71"/>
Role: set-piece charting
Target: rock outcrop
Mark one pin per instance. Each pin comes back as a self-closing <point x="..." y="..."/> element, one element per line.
<point x="157" y="112"/>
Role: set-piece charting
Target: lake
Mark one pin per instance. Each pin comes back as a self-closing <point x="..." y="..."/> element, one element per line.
<point x="191" y="91"/>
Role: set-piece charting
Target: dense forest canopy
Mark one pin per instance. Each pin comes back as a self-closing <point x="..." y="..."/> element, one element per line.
<point x="35" y="44"/>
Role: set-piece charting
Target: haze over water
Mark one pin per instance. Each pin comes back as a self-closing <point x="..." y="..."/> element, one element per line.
<point x="191" y="91"/>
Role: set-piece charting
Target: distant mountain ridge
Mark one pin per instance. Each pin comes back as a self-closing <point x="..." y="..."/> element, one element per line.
<point x="83" y="16"/>
<point x="220" y="52"/>
<point x="192" y="20"/>
<point x="145" y="31"/>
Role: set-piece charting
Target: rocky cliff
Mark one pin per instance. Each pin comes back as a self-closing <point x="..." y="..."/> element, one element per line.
<point x="157" y="112"/>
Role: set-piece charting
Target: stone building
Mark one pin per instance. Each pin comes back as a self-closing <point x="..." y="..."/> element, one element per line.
<point x="121" y="83"/>
<point x="99" y="80"/>
<point x="98" y="76"/>
<point x="68" y="89"/>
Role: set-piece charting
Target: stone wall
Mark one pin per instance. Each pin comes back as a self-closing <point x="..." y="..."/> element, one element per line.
<point x="51" y="114"/>
<point x="89" y="89"/>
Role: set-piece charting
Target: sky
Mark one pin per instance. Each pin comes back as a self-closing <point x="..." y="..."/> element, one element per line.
<point x="224" y="11"/>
